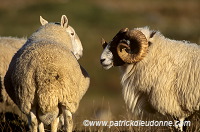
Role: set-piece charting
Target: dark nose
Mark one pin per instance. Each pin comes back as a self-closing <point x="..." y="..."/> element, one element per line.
<point x="102" y="60"/>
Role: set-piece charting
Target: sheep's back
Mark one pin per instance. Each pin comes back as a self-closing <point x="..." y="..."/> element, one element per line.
<point x="51" y="72"/>
<point x="60" y="76"/>
<point x="8" y="47"/>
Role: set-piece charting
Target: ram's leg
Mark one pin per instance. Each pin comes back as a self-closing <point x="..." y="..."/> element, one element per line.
<point x="32" y="121"/>
<point x="54" y="125"/>
<point x="41" y="127"/>
<point x="68" y="122"/>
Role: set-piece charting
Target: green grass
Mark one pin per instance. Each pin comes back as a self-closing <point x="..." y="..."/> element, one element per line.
<point x="94" y="19"/>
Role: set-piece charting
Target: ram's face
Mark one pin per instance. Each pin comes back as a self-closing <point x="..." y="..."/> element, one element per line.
<point x="109" y="56"/>
<point x="126" y="47"/>
<point x="106" y="57"/>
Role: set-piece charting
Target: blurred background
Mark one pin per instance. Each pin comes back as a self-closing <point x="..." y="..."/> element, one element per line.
<point x="94" y="19"/>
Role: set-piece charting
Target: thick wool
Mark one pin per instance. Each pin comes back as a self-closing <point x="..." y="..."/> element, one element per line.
<point x="8" y="47"/>
<point x="45" y="73"/>
<point x="167" y="79"/>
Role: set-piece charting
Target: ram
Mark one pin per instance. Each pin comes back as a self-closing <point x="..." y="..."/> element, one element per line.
<point x="158" y="73"/>
<point x="46" y="78"/>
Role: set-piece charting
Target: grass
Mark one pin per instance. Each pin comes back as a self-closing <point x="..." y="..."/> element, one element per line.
<point x="10" y="122"/>
<point x="93" y="19"/>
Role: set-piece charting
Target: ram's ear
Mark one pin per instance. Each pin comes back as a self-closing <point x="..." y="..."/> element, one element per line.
<point x="104" y="43"/>
<point x="43" y="21"/>
<point x="64" y="21"/>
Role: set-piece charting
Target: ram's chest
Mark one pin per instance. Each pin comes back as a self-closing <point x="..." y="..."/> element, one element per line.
<point x="132" y="98"/>
<point x="129" y="92"/>
<point x="135" y="88"/>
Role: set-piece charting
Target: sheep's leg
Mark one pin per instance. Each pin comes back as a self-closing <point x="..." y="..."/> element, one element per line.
<point x="179" y="126"/>
<point x="32" y="121"/>
<point x="41" y="127"/>
<point x="54" y="125"/>
<point x="61" y="120"/>
<point x="67" y="120"/>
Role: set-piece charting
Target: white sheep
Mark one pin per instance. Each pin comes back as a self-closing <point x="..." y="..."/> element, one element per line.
<point x="157" y="73"/>
<point x="46" y="78"/>
<point x="8" y="47"/>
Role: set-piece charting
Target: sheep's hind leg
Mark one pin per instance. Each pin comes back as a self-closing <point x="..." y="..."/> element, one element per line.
<point x="54" y="125"/>
<point x="67" y="120"/>
<point x="41" y="127"/>
<point x="179" y="124"/>
<point x="32" y="121"/>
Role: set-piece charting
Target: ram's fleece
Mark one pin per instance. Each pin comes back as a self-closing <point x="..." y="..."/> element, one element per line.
<point x="157" y="73"/>
<point x="46" y="76"/>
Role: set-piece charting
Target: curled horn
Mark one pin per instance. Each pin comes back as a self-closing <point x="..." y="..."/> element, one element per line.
<point x="136" y="50"/>
<point x="117" y="37"/>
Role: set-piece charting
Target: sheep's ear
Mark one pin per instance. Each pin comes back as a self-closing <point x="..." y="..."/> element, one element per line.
<point x="64" y="21"/>
<point x="43" y="21"/>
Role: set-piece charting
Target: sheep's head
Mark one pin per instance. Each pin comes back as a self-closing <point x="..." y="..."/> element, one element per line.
<point x="128" y="46"/>
<point x="76" y="43"/>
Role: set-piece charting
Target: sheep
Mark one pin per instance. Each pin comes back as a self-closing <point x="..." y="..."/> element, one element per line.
<point x="158" y="73"/>
<point x="8" y="47"/>
<point x="46" y="78"/>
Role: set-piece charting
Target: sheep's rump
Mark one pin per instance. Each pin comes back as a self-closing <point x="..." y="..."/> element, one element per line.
<point x="46" y="70"/>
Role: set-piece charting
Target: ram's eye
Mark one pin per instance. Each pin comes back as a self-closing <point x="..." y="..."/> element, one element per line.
<point x="72" y="34"/>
